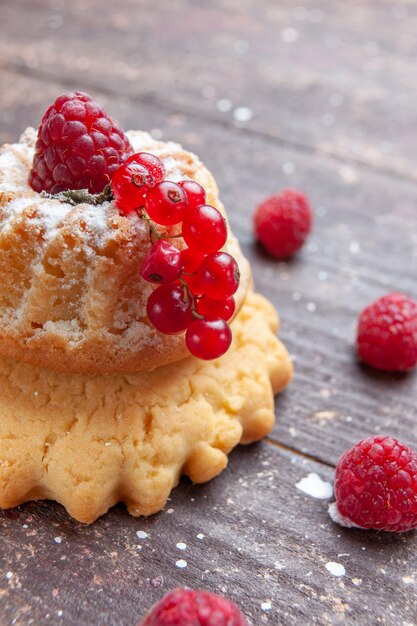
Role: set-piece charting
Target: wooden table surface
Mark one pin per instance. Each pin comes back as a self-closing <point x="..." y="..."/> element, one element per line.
<point x="320" y="96"/>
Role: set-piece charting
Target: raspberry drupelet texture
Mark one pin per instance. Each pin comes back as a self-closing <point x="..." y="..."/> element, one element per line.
<point x="376" y="485"/>
<point x="79" y="146"/>
<point x="186" y="607"/>
<point x="282" y="222"/>
<point x="387" y="333"/>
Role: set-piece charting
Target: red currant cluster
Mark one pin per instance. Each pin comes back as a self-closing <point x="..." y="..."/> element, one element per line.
<point x="196" y="284"/>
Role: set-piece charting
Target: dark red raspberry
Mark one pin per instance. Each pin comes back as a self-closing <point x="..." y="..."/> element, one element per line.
<point x="79" y="146"/>
<point x="376" y="485"/>
<point x="186" y="607"/>
<point x="387" y="333"/>
<point x="282" y="222"/>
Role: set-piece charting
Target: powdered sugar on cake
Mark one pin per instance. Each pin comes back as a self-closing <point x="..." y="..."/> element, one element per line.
<point x="15" y="161"/>
<point x="75" y="278"/>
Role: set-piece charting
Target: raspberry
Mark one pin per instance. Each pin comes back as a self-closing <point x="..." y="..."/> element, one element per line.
<point x="282" y="222"/>
<point x="78" y="146"/>
<point x="387" y="333"/>
<point x="186" y="607"/>
<point x="376" y="485"/>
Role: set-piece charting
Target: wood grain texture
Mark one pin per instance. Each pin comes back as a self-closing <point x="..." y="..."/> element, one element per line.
<point x="264" y="540"/>
<point x="105" y="574"/>
<point x="314" y="76"/>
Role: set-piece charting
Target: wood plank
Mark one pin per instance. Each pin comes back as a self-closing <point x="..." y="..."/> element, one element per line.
<point x="364" y="245"/>
<point x="264" y="541"/>
<point x="313" y="76"/>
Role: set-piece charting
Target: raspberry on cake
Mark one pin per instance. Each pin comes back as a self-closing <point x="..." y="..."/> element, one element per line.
<point x="78" y="146"/>
<point x="187" y="607"/>
<point x="376" y="486"/>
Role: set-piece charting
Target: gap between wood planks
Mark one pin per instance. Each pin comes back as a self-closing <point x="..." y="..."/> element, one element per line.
<point x="148" y="99"/>
<point x="297" y="452"/>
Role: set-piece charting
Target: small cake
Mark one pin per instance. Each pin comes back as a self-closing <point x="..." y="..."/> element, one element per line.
<point x="100" y="402"/>
<point x="71" y="296"/>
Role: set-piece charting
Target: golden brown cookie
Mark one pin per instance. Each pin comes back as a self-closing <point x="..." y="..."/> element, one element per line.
<point x="91" y="441"/>
<point x="71" y="297"/>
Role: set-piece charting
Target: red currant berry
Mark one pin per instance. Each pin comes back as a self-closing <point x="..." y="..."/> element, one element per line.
<point x="166" y="203"/>
<point x="204" y="229"/>
<point x="208" y="338"/>
<point x="162" y="263"/>
<point x="168" y="309"/>
<point x="216" y="308"/>
<point x="152" y="164"/>
<point x="130" y="185"/>
<point x="190" y="261"/>
<point x="195" y="193"/>
<point x="218" y="275"/>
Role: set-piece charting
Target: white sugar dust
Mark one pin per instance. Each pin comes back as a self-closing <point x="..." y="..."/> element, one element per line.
<point x="316" y="487"/>
<point x="336" y="569"/>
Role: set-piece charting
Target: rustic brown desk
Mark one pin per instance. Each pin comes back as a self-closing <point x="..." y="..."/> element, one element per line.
<point x="318" y="95"/>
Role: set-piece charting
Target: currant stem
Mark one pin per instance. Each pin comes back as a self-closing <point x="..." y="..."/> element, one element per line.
<point x="190" y="296"/>
<point x="165" y="236"/>
<point x="82" y="196"/>
<point x="154" y="232"/>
